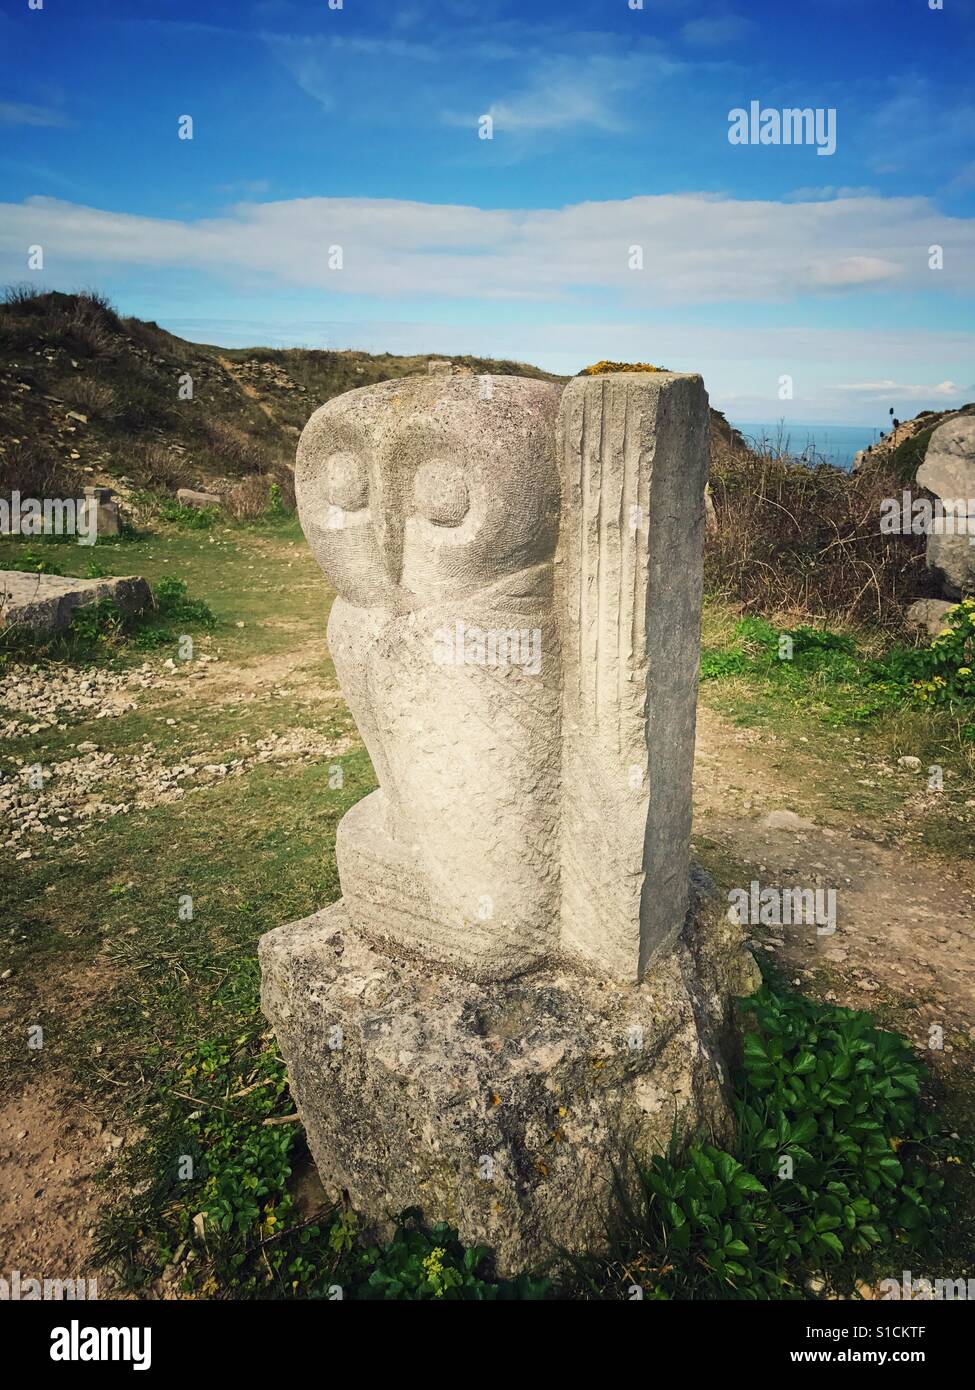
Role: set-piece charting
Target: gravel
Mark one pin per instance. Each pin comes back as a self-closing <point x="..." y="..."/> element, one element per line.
<point x="94" y="786"/>
<point x="45" y="697"/>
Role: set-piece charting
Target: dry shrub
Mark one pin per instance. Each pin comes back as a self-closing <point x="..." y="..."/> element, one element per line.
<point x="89" y="337"/>
<point x="88" y="323"/>
<point x="806" y="542"/>
<point x="148" y="334"/>
<point x="35" y="470"/>
<point x="141" y="407"/>
<point x="92" y="398"/>
<point x="21" y="298"/>
<point x="18" y="321"/>
<point x="141" y="508"/>
<point x="85" y="323"/>
<point x="237" y="452"/>
<point x="249" y="499"/>
<point x="261" y="494"/>
<point x="160" y="467"/>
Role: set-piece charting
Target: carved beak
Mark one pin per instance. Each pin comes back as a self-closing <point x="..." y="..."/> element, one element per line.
<point x="389" y="539"/>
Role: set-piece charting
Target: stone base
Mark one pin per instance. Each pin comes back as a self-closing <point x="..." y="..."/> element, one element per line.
<point x="501" y="1107"/>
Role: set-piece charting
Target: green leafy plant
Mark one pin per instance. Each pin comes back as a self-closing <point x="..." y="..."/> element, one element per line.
<point x="826" y="663"/>
<point x="838" y="1098"/>
<point x="189" y="518"/>
<point x="944" y="672"/>
<point x="99" y="624"/>
<point x="836" y="1163"/>
<point x="421" y="1264"/>
<point x="275" y="503"/>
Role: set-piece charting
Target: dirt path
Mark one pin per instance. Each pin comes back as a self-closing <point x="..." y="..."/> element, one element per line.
<point x="905" y="923"/>
<point x="50" y="1151"/>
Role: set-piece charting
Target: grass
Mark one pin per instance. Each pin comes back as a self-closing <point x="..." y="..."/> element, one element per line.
<point x="239" y="570"/>
<point x="836" y="703"/>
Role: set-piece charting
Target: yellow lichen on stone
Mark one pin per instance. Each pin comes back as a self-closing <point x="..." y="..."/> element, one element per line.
<point x="601" y="368"/>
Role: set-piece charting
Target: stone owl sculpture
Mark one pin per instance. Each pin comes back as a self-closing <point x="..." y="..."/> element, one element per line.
<point x="431" y="504"/>
<point x="508" y="561"/>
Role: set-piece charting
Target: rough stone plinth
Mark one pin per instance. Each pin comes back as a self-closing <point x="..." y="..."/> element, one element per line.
<point x="46" y="602"/>
<point x="101" y="517"/>
<point x="498" y="1107"/>
<point x="948" y="471"/>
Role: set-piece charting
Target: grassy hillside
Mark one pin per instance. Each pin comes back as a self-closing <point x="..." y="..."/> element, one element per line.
<point x="87" y="396"/>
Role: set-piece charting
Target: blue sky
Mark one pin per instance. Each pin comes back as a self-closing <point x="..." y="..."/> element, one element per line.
<point x="358" y="127"/>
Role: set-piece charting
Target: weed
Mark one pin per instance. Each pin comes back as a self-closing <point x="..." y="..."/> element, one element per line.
<point x="836" y="1169"/>
<point x="189" y="518"/>
<point x="816" y="665"/>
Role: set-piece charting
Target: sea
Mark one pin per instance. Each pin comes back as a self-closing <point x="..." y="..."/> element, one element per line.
<point x="816" y="442"/>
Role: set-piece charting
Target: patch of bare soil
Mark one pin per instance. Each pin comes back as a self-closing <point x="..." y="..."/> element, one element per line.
<point x="230" y="682"/>
<point x="50" y="1151"/>
<point x="905" y="924"/>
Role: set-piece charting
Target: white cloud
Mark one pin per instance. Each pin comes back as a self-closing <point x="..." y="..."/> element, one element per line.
<point x="563" y="95"/>
<point x="826" y="192"/>
<point x="889" y="388"/>
<point x="697" y="248"/>
<point x="855" y="270"/>
<point x="338" y="72"/>
<point x="512" y="71"/>
<point x="585" y="89"/>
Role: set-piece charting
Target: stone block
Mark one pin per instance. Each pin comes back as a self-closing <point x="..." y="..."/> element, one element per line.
<point x="189" y="497"/>
<point x="101" y="513"/>
<point x="948" y="471"/>
<point x="500" y="1107"/>
<point x="46" y="602"/>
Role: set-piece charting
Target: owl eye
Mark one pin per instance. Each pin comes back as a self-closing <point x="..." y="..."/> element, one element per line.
<point x="440" y="493"/>
<point x="346" y="483"/>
